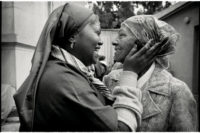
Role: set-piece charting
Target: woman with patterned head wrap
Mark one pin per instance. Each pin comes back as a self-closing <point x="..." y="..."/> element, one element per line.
<point x="168" y="104"/>
<point x="60" y="94"/>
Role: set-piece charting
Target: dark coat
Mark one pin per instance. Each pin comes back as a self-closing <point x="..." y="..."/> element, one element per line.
<point x="65" y="101"/>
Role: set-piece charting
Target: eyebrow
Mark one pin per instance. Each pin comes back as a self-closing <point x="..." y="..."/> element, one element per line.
<point x="99" y="30"/>
<point x="119" y="31"/>
<point x="98" y="27"/>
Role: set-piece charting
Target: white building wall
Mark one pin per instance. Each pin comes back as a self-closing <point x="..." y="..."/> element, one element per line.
<point x="30" y="18"/>
<point x="107" y="49"/>
<point x="22" y="23"/>
<point x="182" y="62"/>
<point x="23" y="58"/>
<point x="7" y="22"/>
<point x="8" y="65"/>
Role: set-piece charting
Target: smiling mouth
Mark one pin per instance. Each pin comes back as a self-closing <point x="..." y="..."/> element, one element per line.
<point x="116" y="53"/>
<point x="96" y="50"/>
<point x="117" y="50"/>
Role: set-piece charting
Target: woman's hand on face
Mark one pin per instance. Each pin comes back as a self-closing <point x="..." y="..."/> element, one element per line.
<point x="138" y="61"/>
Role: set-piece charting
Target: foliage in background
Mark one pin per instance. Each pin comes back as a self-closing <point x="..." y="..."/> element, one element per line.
<point x="112" y="13"/>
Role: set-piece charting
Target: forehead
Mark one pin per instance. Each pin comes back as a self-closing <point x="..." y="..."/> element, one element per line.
<point x="91" y="27"/>
<point x="94" y="20"/>
<point x="124" y="29"/>
<point x="96" y="25"/>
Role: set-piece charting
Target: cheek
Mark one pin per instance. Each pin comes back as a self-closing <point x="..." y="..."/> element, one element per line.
<point x="128" y="45"/>
<point x="125" y="47"/>
<point x="90" y="41"/>
<point x="87" y="45"/>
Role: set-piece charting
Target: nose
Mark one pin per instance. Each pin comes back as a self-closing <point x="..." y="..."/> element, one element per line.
<point x="115" y="43"/>
<point x="100" y="43"/>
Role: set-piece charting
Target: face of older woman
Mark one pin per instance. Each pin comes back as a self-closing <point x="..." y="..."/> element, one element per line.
<point x="123" y="44"/>
<point x="88" y="43"/>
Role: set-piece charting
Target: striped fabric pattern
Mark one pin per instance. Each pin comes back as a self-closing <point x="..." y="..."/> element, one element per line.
<point x="72" y="60"/>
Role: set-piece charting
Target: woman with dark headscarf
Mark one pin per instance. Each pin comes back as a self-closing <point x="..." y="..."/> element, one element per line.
<point x="60" y="93"/>
<point x="168" y="104"/>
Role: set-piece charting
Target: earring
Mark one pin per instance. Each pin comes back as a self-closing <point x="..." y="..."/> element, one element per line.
<point x="72" y="45"/>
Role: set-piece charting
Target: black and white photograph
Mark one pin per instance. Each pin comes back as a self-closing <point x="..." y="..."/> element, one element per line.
<point x="99" y="66"/>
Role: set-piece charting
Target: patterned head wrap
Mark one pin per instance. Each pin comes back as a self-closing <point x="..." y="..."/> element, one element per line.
<point x="146" y="27"/>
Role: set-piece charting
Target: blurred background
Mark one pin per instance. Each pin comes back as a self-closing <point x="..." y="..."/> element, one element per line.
<point x="22" y="23"/>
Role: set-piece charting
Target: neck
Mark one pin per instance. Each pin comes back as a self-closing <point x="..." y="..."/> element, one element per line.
<point x="77" y="55"/>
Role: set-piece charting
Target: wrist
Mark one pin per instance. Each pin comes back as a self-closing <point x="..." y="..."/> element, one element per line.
<point x="128" y="117"/>
<point x="128" y="78"/>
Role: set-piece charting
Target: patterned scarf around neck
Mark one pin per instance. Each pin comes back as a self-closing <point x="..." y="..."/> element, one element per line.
<point x="63" y="55"/>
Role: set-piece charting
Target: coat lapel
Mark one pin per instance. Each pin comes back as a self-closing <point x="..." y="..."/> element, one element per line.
<point x="157" y="84"/>
<point x="150" y="108"/>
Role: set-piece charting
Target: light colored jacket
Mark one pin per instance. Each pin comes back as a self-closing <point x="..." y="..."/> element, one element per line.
<point x="168" y="104"/>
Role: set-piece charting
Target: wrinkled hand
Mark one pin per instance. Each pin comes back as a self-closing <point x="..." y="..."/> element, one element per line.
<point x="138" y="61"/>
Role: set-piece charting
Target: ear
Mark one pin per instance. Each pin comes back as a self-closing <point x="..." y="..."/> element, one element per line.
<point x="72" y="39"/>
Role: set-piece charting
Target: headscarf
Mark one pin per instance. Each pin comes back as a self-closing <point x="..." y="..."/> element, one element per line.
<point x="62" y="23"/>
<point x="146" y="27"/>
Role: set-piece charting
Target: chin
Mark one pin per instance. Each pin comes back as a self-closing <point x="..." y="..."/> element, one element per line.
<point x="95" y="58"/>
<point x="90" y="62"/>
<point x="94" y="61"/>
<point x="115" y="59"/>
<point x="119" y="60"/>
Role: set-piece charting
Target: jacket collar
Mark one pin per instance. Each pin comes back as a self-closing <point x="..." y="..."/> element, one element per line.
<point x="159" y="85"/>
<point x="150" y="107"/>
<point x="146" y="76"/>
<point x="115" y="75"/>
<point x="157" y="82"/>
<point x="154" y="77"/>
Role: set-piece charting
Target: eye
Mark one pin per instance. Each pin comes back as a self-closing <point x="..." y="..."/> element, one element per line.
<point x="122" y="35"/>
<point x="98" y="33"/>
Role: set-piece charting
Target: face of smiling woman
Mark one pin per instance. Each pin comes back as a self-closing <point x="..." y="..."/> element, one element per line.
<point x="123" y="44"/>
<point x="88" y="42"/>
